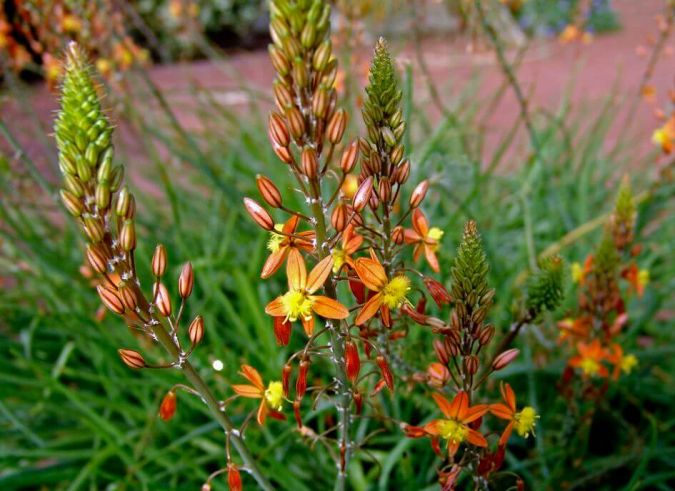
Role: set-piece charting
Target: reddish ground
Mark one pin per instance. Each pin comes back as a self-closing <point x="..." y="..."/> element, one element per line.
<point x="548" y="68"/>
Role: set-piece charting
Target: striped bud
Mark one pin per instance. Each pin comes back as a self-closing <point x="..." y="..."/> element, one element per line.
<point x="388" y="136"/>
<point x="320" y="103"/>
<point x="301" y="382"/>
<point x="282" y="96"/>
<point x="352" y="361"/>
<point x="110" y="299"/>
<point x="128" y="235"/>
<point x="349" y="157"/>
<point x="336" y="126"/>
<point x="300" y="73"/>
<point x="159" y="261"/>
<point x="402" y="172"/>
<point x="396" y="155"/>
<point x="321" y="56"/>
<point x="470" y="363"/>
<point x="279" y="60"/>
<point x="386" y="371"/>
<point x="441" y="352"/>
<point x="131" y="358"/>
<point x="284" y="153"/>
<point x="384" y="190"/>
<point x="296" y="122"/>
<point x="437" y="291"/>
<point x="97" y="259"/>
<point x="94" y="229"/>
<point x="128" y="296"/>
<point x="73" y="204"/>
<point x="398" y="235"/>
<point x="102" y="196"/>
<point x="233" y="478"/>
<point x="486" y="334"/>
<point x="167" y="408"/>
<point x="362" y="195"/>
<point x="310" y="162"/>
<point x="418" y="194"/>
<point x="74" y="185"/>
<point x="505" y="358"/>
<point x="339" y="217"/>
<point x="259" y="214"/>
<point x="196" y="330"/>
<point x="278" y="131"/>
<point x="186" y="281"/>
<point x="162" y="299"/>
<point x="123" y="202"/>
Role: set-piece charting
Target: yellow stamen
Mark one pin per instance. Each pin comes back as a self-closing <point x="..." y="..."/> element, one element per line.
<point x="577" y="272"/>
<point x="339" y="256"/>
<point x="525" y="421"/>
<point x="590" y="366"/>
<point x="274" y="395"/>
<point x="394" y="292"/>
<point x="435" y="233"/>
<point x="275" y="239"/>
<point x="297" y="304"/>
<point x="453" y="430"/>
<point x="628" y="362"/>
<point x="643" y="277"/>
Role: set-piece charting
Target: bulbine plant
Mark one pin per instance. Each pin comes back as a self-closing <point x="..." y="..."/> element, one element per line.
<point x="351" y="258"/>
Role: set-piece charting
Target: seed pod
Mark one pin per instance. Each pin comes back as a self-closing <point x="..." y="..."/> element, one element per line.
<point x="349" y="157"/>
<point x="286" y="378"/>
<point x="386" y="372"/>
<point x="259" y="214"/>
<point x="296" y="122"/>
<point x="196" y="330"/>
<point x="310" y="162"/>
<point x="284" y="153"/>
<point x="339" y="217"/>
<point x="441" y="351"/>
<point x="128" y="296"/>
<point x="505" y="358"/>
<point x="336" y="126"/>
<point x="363" y="194"/>
<point x="167" y="408"/>
<point x="186" y="281"/>
<point x="418" y="194"/>
<point x="470" y="363"/>
<point x="131" y="358"/>
<point x="301" y="382"/>
<point x="278" y="131"/>
<point x="163" y="300"/>
<point x="110" y="299"/>
<point x="398" y="235"/>
<point x="486" y="334"/>
<point x="159" y="261"/>
<point x="352" y="361"/>
<point x="128" y="235"/>
<point x="94" y="229"/>
<point x="73" y="204"/>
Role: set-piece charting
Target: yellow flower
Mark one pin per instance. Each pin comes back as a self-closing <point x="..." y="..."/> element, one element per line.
<point x="577" y="272"/>
<point x="628" y="362"/>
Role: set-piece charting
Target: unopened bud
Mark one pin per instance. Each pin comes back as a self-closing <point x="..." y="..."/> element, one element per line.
<point x="284" y="153"/>
<point x="418" y="194"/>
<point x="336" y="126"/>
<point x="402" y="172"/>
<point x="128" y="296"/>
<point x="398" y="235"/>
<point x="441" y="352"/>
<point x="349" y="157"/>
<point x="470" y="364"/>
<point x="167" y="408"/>
<point x="268" y="190"/>
<point x="310" y="162"/>
<point x="486" y="334"/>
<point x="386" y="371"/>
<point x="196" y="330"/>
<point x="72" y="203"/>
<point x="110" y="299"/>
<point x="321" y="56"/>
<point x="352" y="361"/>
<point x="186" y="281"/>
<point x="384" y="190"/>
<point x="339" y="217"/>
<point x="163" y="300"/>
<point x="277" y="130"/>
<point x="396" y="154"/>
<point x="131" y="358"/>
<point x="301" y="382"/>
<point x="296" y="122"/>
<point x="97" y="259"/>
<point x="362" y="195"/>
<point x="286" y="378"/>
<point x="437" y="291"/>
<point x="159" y="261"/>
<point x="94" y="229"/>
<point x="505" y="358"/>
<point x="128" y="235"/>
<point x="259" y="214"/>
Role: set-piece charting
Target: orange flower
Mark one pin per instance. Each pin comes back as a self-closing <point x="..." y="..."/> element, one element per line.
<point x="638" y="278"/>
<point x="455" y="428"/>
<point x="299" y="302"/>
<point x="272" y="397"/>
<point x="279" y="245"/>
<point x="622" y="363"/>
<point x="342" y="254"/>
<point x="665" y="136"/>
<point x="523" y="421"/>
<point x="590" y="359"/>
<point x="390" y="294"/>
<point x="425" y="239"/>
<point x="574" y="328"/>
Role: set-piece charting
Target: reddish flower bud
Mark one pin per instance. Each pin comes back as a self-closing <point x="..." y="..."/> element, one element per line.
<point x="296" y="412"/>
<point x="110" y="299"/>
<point x="167" y="408"/>
<point x="505" y="358"/>
<point x="296" y="122"/>
<point x="97" y="259"/>
<point x="358" y="290"/>
<point x="186" y="281"/>
<point x="284" y="153"/>
<point x="352" y="361"/>
<point x="268" y="191"/>
<point x="301" y="382"/>
<point x="386" y="371"/>
<point x="413" y="431"/>
<point x="162" y="299"/>
<point x="402" y="172"/>
<point x="282" y="331"/>
<point x="418" y="194"/>
<point x="127" y="236"/>
<point x="421" y="319"/>
<point x="486" y="334"/>
<point x="233" y="478"/>
<point x="131" y="358"/>
<point x="436" y="323"/>
<point x="441" y="352"/>
<point x="362" y="195"/>
<point x="381" y="384"/>
<point x="339" y="217"/>
<point x="278" y="131"/>
<point x="438" y="375"/>
<point x="128" y="296"/>
<point x="384" y="190"/>
<point x="336" y="126"/>
<point x="398" y="235"/>
<point x="358" y="401"/>
<point x="196" y="330"/>
<point x="159" y="261"/>
<point x="286" y="378"/>
<point x="437" y="291"/>
<point x="310" y="162"/>
<point x="396" y="155"/>
<point x="259" y="214"/>
<point x="349" y="157"/>
<point x="282" y="96"/>
<point x="470" y="364"/>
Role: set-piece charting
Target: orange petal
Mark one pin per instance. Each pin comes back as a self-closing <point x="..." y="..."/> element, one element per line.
<point x="276" y="308"/>
<point x="509" y="396"/>
<point x="317" y="277"/>
<point x="353" y="244"/>
<point x="431" y="258"/>
<point x="247" y="391"/>
<point x="433" y="427"/>
<point x="262" y="413"/>
<point x="506" y="434"/>
<point x="252" y="375"/>
<point x="274" y="262"/>
<point x="475" y="412"/>
<point x="329" y="308"/>
<point x="308" y="325"/>
<point x="459" y="406"/>
<point x="420" y="223"/>
<point x="501" y="411"/>
<point x="476" y="438"/>
<point x="369" y="309"/>
<point x="411" y="237"/>
<point x="371" y="272"/>
<point x="296" y="270"/>
<point x="452" y="447"/>
<point x="445" y="406"/>
<point x="291" y="224"/>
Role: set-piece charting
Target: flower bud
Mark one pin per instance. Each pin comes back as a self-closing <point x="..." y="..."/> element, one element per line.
<point x="358" y="401"/>
<point x="352" y="361"/>
<point x="384" y="190"/>
<point x="162" y="300"/>
<point x="470" y="363"/>
<point x="486" y="334"/>
<point x="437" y="375"/>
<point x="196" y="330"/>
<point x="167" y="408"/>
<point x="320" y="102"/>
<point x="436" y="323"/>
<point x="296" y="122"/>
<point x="279" y="60"/>
<point x="321" y="56"/>
<point x="398" y="235"/>
<point x="282" y="331"/>
<point x="97" y="259"/>
<point x="128" y="235"/>
<point x="386" y="371"/>
<point x="73" y="204"/>
<point x="350" y="155"/>
<point x="402" y="172"/>
<point x="128" y="296"/>
<point x="123" y="202"/>
<point x="362" y="195"/>
<point x="284" y="153"/>
<point x="131" y="358"/>
<point x="259" y="214"/>
<point x="396" y="155"/>
<point x="282" y="96"/>
<point x="437" y="291"/>
<point x="296" y="412"/>
<point x="102" y="196"/>
<point x="277" y="130"/>
<point x="268" y="191"/>
<point x="186" y="281"/>
<point x="388" y="136"/>
<point x="339" y="217"/>
<point x="94" y="229"/>
<point x="505" y="358"/>
<point x="310" y="162"/>
<point x="441" y="351"/>
<point x="418" y="194"/>
<point x="233" y="478"/>
<point x="286" y="378"/>
<point x="336" y="126"/>
<point x="301" y="382"/>
<point x="159" y="261"/>
<point x="110" y="299"/>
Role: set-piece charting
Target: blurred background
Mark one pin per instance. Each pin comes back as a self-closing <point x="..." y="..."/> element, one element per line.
<point x="189" y="89"/>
